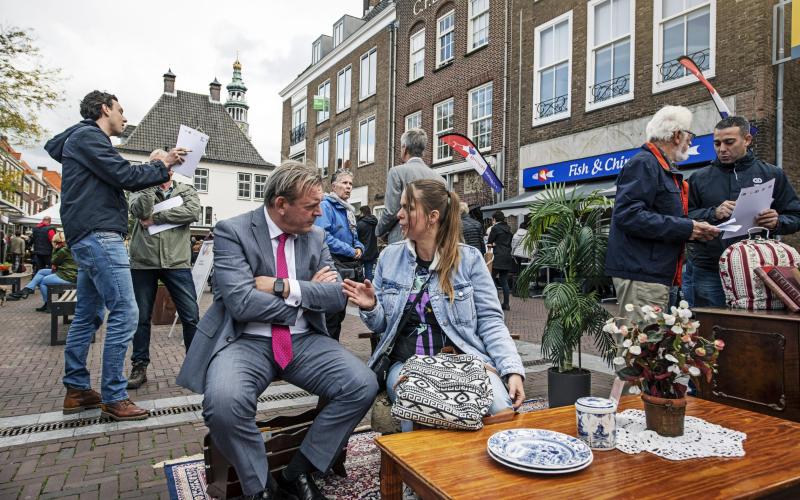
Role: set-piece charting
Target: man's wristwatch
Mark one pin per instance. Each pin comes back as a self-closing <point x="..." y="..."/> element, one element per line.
<point x="279" y="287"/>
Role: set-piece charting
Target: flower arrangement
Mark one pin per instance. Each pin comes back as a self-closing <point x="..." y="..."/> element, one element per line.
<point x="662" y="351"/>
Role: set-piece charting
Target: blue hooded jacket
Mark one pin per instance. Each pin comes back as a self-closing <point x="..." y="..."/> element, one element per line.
<point x="94" y="176"/>
<point x="342" y="241"/>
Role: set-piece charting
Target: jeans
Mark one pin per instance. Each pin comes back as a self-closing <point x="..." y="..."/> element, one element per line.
<point x="104" y="280"/>
<point x="503" y="279"/>
<point x="42" y="279"/>
<point x="707" y="288"/>
<point x="687" y="286"/>
<point x="181" y="288"/>
<point x="369" y="269"/>
<point x="500" y="402"/>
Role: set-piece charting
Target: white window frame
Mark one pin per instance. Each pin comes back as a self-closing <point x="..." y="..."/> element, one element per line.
<point x="658" y="42"/>
<point x="590" y="56"/>
<point x="372" y="76"/>
<point x="413" y="116"/>
<point x="208" y="216"/>
<point x="470" y="117"/>
<point x="536" y="69"/>
<point x="326" y="152"/>
<point x="366" y="121"/>
<point x="262" y="183"/>
<point x="437" y="132"/>
<point x="240" y="182"/>
<point x="316" y="52"/>
<point x="471" y="25"/>
<point x="411" y="53"/>
<point x="200" y="173"/>
<point x="343" y="104"/>
<point x="326" y="85"/>
<point x="440" y="34"/>
<point x="345" y="147"/>
<point x="338" y="33"/>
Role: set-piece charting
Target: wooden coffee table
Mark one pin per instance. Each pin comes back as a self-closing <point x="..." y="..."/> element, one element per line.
<point x="451" y="464"/>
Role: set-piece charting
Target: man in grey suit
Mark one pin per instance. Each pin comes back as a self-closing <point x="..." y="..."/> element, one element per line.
<point x="274" y="282"/>
<point x="412" y="145"/>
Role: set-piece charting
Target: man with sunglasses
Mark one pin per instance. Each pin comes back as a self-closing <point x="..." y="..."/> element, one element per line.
<point x="713" y="191"/>
<point x="650" y="225"/>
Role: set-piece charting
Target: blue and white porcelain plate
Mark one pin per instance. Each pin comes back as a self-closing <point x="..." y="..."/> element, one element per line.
<point x="539" y="471"/>
<point x="539" y="449"/>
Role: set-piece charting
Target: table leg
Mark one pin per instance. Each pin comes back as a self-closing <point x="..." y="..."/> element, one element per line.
<point x="391" y="484"/>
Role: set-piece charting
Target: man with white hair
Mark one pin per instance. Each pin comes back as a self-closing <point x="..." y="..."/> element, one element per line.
<point x="650" y="225"/>
<point x="412" y="145"/>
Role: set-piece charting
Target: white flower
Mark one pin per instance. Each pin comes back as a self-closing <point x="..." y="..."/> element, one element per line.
<point x="634" y="390"/>
<point x="669" y="319"/>
<point x="683" y="380"/>
<point x="629" y="307"/>
<point x="623" y="330"/>
<point x="635" y="350"/>
<point x="619" y="360"/>
<point x="627" y="343"/>
<point x="608" y="328"/>
<point x="609" y="321"/>
<point x="673" y="310"/>
<point x="694" y="371"/>
<point x="674" y="369"/>
<point x="670" y="357"/>
<point x="677" y="329"/>
<point x="646" y="310"/>
<point x="685" y="313"/>
<point x="683" y="304"/>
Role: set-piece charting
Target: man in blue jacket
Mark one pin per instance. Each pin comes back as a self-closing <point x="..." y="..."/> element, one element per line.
<point x="650" y="225"/>
<point x="713" y="191"/>
<point x="94" y="213"/>
<point x="338" y="220"/>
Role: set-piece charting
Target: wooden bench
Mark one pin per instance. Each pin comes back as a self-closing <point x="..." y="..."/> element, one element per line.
<point x="15" y="280"/>
<point x="282" y="438"/>
<point x="62" y="300"/>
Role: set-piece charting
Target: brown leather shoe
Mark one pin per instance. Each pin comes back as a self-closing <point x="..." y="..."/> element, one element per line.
<point x="78" y="400"/>
<point x="124" y="410"/>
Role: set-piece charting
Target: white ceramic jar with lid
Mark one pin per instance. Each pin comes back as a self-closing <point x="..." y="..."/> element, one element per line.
<point x="596" y="421"/>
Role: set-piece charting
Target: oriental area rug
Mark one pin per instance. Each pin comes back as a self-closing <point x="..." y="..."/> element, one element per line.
<point x="186" y="480"/>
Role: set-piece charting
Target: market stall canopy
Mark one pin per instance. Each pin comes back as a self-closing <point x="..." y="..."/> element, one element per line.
<point x="53" y="212"/>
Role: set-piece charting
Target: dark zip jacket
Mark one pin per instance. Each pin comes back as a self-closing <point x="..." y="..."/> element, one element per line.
<point x="718" y="182"/>
<point x="366" y="235"/>
<point x="94" y="176"/>
<point x="648" y="228"/>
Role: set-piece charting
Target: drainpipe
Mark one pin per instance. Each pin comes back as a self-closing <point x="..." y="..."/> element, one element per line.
<point x="519" y="96"/>
<point x="779" y="91"/>
<point x="501" y="196"/>
<point x="392" y="94"/>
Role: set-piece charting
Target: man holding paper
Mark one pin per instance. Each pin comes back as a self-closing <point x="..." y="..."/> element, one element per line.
<point x="160" y="250"/>
<point x="713" y="191"/>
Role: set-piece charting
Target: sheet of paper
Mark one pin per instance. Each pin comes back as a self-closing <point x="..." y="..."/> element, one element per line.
<point x="751" y="202"/>
<point x="196" y="142"/>
<point x="729" y="225"/>
<point x="616" y="389"/>
<point x="160" y="207"/>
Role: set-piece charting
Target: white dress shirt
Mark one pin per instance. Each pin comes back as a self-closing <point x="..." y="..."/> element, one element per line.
<point x="295" y="296"/>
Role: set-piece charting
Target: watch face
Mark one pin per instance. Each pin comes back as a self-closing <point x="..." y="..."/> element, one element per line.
<point x="277" y="288"/>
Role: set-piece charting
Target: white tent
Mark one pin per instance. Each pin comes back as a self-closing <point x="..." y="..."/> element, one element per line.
<point x="53" y="212"/>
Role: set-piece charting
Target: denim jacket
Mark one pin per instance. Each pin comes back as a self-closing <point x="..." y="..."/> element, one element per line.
<point x="473" y="321"/>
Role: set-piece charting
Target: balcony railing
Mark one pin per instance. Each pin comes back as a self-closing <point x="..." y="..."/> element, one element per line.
<point x="672" y="70"/>
<point x="612" y="88"/>
<point x="552" y="106"/>
<point x="297" y="134"/>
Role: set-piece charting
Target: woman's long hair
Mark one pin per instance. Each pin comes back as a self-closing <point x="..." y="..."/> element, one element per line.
<point x="433" y="195"/>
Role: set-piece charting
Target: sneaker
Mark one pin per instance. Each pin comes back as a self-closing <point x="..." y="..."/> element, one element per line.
<point x="123" y="410"/>
<point x="78" y="400"/>
<point x="138" y="375"/>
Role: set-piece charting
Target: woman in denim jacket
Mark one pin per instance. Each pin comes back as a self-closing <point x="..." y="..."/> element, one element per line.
<point x="459" y="306"/>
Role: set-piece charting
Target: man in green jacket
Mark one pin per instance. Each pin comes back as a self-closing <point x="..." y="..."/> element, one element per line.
<point x="164" y="255"/>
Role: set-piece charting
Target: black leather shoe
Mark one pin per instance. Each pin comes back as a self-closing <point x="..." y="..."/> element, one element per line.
<point x="303" y="488"/>
<point x="273" y="492"/>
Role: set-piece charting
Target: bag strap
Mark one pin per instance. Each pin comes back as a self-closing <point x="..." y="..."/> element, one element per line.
<point x="407" y="313"/>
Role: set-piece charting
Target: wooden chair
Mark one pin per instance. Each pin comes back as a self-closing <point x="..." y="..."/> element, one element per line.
<point x="282" y="438"/>
<point x="62" y="300"/>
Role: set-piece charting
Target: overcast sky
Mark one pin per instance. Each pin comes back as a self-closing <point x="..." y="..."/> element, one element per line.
<point x="125" y="48"/>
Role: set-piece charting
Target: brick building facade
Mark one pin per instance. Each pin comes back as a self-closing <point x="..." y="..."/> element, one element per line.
<point x="353" y="69"/>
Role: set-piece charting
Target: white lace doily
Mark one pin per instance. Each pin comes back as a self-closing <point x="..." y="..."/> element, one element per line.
<point x="700" y="439"/>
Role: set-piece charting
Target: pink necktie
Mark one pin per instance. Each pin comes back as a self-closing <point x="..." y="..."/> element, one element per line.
<point x="281" y="337"/>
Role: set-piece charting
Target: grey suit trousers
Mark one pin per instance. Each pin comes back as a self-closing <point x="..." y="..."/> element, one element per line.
<point x="239" y="373"/>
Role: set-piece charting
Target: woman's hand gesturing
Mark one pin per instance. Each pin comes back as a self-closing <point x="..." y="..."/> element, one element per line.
<point x="360" y="294"/>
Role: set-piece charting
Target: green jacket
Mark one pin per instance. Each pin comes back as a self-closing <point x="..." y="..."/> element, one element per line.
<point x="170" y="249"/>
<point x="66" y="268"/>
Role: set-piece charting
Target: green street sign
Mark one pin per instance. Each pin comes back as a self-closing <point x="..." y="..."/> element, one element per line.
<point x="320" y="103"/>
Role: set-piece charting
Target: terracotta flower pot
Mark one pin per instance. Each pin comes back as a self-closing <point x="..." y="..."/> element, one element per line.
<point x="664" y="416"/>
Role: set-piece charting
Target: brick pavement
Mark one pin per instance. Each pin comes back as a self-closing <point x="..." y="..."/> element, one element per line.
<point x="119" y="464"/>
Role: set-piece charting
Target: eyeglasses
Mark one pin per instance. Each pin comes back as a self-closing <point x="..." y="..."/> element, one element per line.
<point x="691" y="134"/>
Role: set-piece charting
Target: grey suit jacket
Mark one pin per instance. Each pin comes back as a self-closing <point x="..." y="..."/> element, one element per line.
<point x="396" y="181"/>
<point x="242" y="251"/>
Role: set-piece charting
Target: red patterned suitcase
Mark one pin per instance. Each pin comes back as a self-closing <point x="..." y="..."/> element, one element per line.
<point x="743" y="289"/>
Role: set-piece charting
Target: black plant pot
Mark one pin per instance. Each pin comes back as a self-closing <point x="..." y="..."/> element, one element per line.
<point x="563" y="389"/>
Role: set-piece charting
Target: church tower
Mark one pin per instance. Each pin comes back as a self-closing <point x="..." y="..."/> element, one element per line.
<point x="236" y="105"/>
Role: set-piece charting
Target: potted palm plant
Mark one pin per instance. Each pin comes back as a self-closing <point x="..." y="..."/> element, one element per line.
<point x="569" y="233"/>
